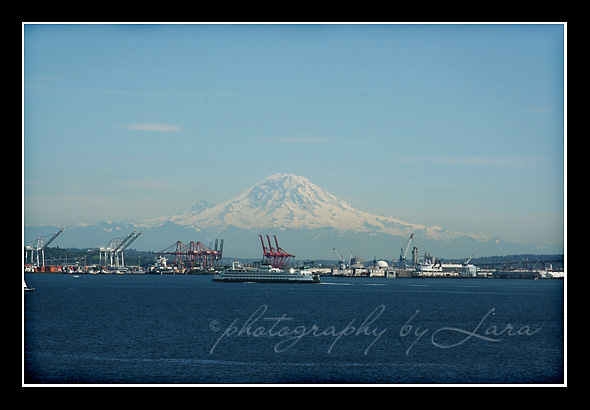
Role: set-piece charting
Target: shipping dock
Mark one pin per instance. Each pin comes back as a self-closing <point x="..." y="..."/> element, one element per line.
<point x="195" y="258"/>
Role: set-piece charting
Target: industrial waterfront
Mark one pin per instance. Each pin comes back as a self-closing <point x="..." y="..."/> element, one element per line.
<point x="112" y="314"/>
<point x="198" y="258"/>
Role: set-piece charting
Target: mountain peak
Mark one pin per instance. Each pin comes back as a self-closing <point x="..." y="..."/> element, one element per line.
<point x="282" y="201"/>
<point x="286" y="178"/>
<point x="282" y="176"/>
<point x="285" y="182"/>
<point x="287" y="201"/>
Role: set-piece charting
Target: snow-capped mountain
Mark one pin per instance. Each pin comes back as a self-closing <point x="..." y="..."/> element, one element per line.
<point x="309" y="221"/>
<point x="286" y="201"/>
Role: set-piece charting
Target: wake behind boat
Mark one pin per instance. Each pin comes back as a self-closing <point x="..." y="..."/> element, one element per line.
<point x="265" y="273"/>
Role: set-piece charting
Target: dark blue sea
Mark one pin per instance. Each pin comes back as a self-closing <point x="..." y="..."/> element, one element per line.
<point x="189" y="329"/>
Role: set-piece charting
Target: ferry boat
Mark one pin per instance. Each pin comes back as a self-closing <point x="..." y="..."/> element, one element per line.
<point x="265" y="273"/>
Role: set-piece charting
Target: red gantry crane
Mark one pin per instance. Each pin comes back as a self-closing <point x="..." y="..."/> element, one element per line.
<point x="195" y="253"/>
<point x="277" y="257"/>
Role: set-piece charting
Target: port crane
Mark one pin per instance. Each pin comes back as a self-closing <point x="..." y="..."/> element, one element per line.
<point x="342" y="263"/>
<point x="218" y="253"/>
<point x="404" y="250"/>
<point x="277" y="257"/>
<point x="124" y="246"/>
<point x="40" y="246"/>
<point x="194" y="253"/>
<point x="118" y="247"/>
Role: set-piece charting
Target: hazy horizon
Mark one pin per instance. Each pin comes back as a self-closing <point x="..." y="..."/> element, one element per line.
<point x="458" y="126"/>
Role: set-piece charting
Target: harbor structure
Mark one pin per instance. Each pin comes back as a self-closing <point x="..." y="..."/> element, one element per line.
<point x="277" y="257"/>
<point x="111" y="255"/>
<point x="37" y="248"/>
<point x="195" y="254"/>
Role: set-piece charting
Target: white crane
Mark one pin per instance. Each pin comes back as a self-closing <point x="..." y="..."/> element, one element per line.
<point x="122" y="248"/>
<point x="118" y="247"/>
<point x="40" y="246"/>
<point x="342" y="264"/>
<point x="467" y="261"/>
<point x="404" y="250"/>
<point x="111" y="249"/>
<point x="470" y="270"/>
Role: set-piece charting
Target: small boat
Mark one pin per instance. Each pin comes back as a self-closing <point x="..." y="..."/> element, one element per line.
<point x="26" y="288"/>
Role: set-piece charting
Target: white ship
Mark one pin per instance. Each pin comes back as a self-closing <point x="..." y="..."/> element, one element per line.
<point x="428" y="267"/>
<point x="266" y="274"/>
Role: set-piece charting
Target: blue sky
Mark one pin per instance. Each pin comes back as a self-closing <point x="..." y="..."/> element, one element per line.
<point x="460" y="126"/>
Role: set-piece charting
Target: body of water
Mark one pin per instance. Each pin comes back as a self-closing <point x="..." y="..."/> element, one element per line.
<point x="189" y="329"/>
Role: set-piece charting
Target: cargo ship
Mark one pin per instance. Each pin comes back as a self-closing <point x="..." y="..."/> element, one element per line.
<point x="265" y="273"/>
